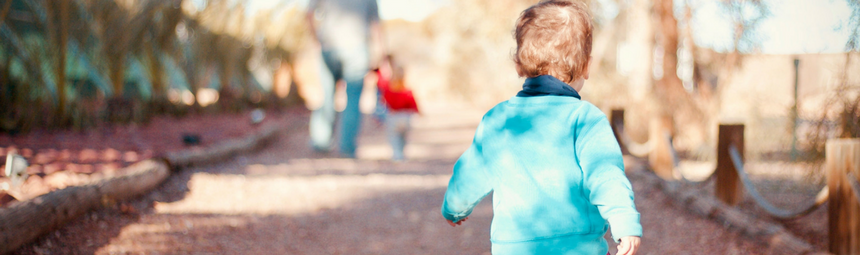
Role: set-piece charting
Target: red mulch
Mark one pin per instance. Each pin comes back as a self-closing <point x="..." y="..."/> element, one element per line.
<point x="59" y="158"/>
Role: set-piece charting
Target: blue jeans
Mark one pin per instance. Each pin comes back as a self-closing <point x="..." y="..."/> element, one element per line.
<point x="397" y="125"/>
<point x="351" y="66"/>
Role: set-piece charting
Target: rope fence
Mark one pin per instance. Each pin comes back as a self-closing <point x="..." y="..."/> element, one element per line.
<point x="643" y="150"/>
<point x="676" y="160"/>
<point x="636" y="149"/>
<point x="731" y="179"/>
<point x="820" y="199"/>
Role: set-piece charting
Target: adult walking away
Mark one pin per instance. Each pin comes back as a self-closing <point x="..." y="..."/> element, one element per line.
<point x="550" y="158"/>
<point x="344" y="29"/>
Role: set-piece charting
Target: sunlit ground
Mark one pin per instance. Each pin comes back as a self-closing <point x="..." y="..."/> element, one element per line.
<point x="288" y="199"/>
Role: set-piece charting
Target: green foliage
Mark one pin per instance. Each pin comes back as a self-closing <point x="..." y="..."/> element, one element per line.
<point x="129" y="53"/>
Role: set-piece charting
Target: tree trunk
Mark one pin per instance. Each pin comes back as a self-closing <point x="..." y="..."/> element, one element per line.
<point x="5" y="99"/>
<point x="662" y="158"/>
<point x="669" y="92"/>
<point x="155" y="72"/>
<point x="117" y="76"/>
<point x="7" y="90"/>
<point x="62" y="39"/>
<point x="669" y="87"/>
<point x="669" y="42"/>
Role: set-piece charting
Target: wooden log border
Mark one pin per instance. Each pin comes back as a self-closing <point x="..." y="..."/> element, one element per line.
<point x="778" y="239"/>
<point x="223" y="150"/>
<point x="26" y="221"/>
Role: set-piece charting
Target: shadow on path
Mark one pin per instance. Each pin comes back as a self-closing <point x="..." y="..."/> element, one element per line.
<point x="286" y="199"/>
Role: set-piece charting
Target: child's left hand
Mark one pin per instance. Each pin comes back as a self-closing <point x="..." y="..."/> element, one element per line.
<point x="453" y="224"/>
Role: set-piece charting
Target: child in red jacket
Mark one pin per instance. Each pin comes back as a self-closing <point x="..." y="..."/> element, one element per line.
<point x="399" y="102"/>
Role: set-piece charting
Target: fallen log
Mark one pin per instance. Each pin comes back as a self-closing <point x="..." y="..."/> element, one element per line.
<point x="24" y="221"/>
<point x="221" y="151"/>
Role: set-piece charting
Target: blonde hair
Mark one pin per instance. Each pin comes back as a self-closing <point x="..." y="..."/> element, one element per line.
<point x="554" y="38"/>
<point x="397" y="79"/>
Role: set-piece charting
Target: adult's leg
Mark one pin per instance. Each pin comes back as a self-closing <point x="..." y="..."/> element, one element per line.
<point x="323" y="118"/>
<point x="356" y="65"/>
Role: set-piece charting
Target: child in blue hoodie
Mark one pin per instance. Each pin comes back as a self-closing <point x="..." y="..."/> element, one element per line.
<point x="550" y="159"/>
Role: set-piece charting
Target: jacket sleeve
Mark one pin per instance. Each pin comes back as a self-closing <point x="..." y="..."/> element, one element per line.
<point x="605" y="183"/>
<point x="469" y="184"/>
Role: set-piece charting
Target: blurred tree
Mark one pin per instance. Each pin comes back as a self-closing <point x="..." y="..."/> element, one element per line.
<point x="853" y="43"/>
<point x="746" y="16"/>
<point x="5" y="92"/>
<point x="58" y="34"/>
<point x="673" y="102"/>
<point x="849" y="117"/>
<point x="841" y="114"/>
<point x="23" y="41"/>
<point x="7" y="6"/>
<point x="696" y="112"/>
<point x="163" y="17"/>
<point x="284" y="34"/>
<point x="56" y="53"/>
<point x="114" y="31"/>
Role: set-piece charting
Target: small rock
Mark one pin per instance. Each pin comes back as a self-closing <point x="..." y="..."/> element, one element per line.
<point x="257" y="116"/>
<point x="127" y="208"/>
<point x="191" y="139"/>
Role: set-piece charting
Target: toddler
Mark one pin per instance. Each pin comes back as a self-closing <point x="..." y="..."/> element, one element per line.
<point x="550" y="159"/>
<point x="399" y="103"/>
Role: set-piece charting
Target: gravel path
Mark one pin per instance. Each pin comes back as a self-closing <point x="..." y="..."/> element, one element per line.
<point x="285" y="199"/>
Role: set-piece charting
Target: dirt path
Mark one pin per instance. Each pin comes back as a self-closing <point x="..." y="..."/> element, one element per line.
<point x="286" y="199"/>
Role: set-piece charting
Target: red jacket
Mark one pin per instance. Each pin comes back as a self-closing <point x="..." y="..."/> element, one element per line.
<point x="402" y="100"/>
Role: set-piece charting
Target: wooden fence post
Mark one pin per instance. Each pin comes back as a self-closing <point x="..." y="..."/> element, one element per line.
<point x="728" y="188"/>
<point x="661" y="158"/>
<point x="616" y="121"/>
<point x="843" y="213"/>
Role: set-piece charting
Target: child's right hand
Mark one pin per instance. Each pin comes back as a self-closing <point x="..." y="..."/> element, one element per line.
<point x="454" y="224"/>
<point x="629" y="245"/>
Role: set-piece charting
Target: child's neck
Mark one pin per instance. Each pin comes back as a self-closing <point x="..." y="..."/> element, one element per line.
<point x="578" y="84"/>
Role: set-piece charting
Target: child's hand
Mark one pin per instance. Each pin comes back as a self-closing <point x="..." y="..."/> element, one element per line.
<point x="629" y="245"/>
<point x="453" y="224"/>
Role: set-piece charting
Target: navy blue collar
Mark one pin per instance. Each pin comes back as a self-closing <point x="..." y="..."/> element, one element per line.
<point x="546" y="85"/>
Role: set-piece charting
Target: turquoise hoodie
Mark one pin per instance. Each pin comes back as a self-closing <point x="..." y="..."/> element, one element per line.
<point x="556" y="173"/>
